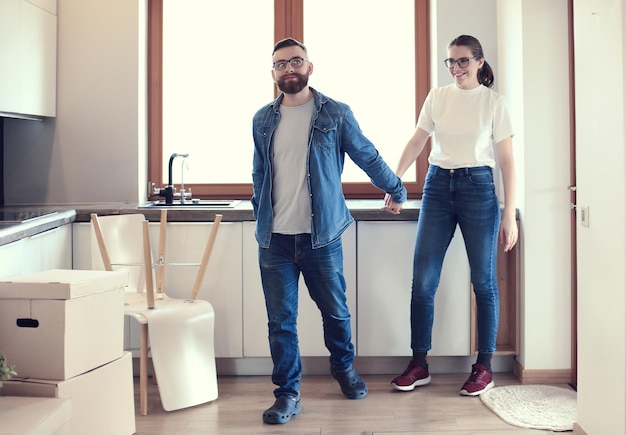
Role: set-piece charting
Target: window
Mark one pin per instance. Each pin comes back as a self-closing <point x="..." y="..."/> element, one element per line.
<point x="208" y="76"/>
<point x="370" y="71"/>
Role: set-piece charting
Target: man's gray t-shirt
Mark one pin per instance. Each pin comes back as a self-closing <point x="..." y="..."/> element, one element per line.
<point x="290" y="193"/>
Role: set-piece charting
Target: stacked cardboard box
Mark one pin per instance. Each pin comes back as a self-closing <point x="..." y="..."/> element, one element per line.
<point x="35" y="415"/>
<point x="63" y="332"/>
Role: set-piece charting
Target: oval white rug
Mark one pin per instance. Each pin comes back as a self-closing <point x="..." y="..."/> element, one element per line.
<point x="533" y="406"/>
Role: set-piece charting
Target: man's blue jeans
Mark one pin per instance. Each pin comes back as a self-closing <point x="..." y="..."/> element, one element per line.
<point x="465" y="197"/>
<point x="322" y="269"/>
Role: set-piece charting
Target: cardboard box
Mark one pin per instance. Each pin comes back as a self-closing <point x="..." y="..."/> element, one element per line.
<point x="58" y="324"/>
<point x="102" y="399"/>
<point x="35" y="416"/>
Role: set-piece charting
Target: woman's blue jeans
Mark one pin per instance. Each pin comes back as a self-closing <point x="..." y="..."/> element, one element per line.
<point x="322" y="269"/>
<point x="465" y="197"/>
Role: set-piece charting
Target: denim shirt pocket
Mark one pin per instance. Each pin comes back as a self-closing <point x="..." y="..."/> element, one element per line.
<point x="325" y="135"/>
<point x="263" y="131"/>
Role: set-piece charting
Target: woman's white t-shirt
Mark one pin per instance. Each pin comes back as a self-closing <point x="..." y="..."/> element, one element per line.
<point x="464" y="124"/>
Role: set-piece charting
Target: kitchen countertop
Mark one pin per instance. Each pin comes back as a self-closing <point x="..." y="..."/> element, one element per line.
<point x="53" y="216"/>
<point x="360" y="209"/>
<point x="47" y="218"/>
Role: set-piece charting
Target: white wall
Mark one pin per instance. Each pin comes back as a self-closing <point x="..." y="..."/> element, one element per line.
<point x="534" y="57"/>
<point x="95" y="149"/>
<point x="600" y="112"/>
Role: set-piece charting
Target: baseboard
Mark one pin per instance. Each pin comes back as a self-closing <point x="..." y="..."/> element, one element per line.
<point x="579" y="430"/>
<point x="539" y="376"/>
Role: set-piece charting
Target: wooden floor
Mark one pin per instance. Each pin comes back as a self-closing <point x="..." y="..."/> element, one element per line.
<point x="435" y="409"/>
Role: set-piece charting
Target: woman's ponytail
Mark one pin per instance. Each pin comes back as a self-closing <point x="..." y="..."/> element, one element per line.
<point x="485" y="75"/>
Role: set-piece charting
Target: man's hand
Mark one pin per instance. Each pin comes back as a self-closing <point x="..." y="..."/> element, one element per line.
<point x="390" y="206"/>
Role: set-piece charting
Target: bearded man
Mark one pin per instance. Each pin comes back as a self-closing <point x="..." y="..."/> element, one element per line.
<point x="300" y="143"/>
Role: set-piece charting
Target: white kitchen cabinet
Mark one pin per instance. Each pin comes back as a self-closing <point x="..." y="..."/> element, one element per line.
<point x="385" y="272"/>
<point x="12" y="257"/>
<point x="310" y="333"/>
<point x="81" y="246"/>
<point x="28" y="58"/>
<point x="51" y="249"/>
<point x="222" y="285"/>
<point x="81" y="260"/>
<point x="9" y="55"/>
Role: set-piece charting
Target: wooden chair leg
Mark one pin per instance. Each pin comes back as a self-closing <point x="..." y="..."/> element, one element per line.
<point x="143" y="371"/>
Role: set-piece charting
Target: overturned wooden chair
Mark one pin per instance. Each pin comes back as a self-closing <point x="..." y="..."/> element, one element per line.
<point x="179" y="333"/>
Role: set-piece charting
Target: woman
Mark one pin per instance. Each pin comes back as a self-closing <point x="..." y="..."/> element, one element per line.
<point x="465" y="120"/>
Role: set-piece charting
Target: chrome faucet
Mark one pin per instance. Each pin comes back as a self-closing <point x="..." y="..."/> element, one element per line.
<point x="168" y="191"/>
<point x="183" y="194"/>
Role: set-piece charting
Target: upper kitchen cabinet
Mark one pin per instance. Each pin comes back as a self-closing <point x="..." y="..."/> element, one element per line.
<point x="28" y="58"/>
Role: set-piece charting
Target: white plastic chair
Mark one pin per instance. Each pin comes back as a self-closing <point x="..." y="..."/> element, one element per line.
<point x="179" y="332"/>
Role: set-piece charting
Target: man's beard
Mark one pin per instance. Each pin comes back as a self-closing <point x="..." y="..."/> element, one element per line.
<point x="292" y="86"/>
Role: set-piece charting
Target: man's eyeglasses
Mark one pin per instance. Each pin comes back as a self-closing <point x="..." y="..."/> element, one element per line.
<point x="295" y="62"/>
<point x="462" y="62"/>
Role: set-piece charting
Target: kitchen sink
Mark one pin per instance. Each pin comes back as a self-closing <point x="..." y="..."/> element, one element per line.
<point x="194" y="204"/>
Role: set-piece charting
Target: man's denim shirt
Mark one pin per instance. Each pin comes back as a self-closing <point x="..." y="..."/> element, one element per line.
<point x="334" y="133"/>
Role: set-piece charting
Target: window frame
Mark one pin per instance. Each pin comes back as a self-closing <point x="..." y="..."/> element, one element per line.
<point x="288" y="21"/>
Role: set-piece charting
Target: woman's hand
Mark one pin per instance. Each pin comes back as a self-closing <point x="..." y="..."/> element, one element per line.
<point x="390" y="206"/>
<point x="508" y="232"/>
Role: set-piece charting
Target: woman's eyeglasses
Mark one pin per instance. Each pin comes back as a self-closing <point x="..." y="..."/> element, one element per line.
<point x="462" y="62"/>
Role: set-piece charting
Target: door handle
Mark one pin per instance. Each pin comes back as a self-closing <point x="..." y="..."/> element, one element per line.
<point x="572" y="188"/>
